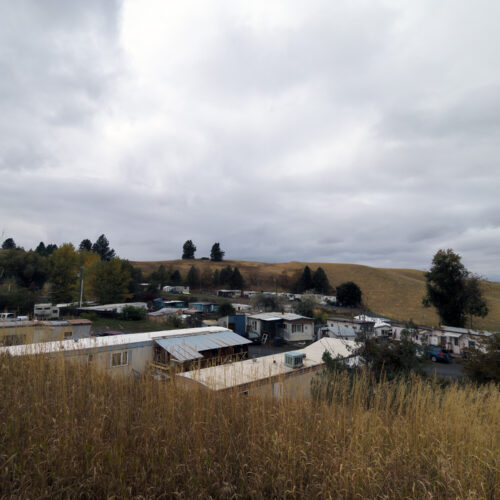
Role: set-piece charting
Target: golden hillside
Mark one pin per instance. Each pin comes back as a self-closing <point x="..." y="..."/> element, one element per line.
<point x="396" y="293"/>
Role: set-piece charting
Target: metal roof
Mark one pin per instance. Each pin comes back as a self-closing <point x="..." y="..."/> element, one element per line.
<point x="225" y="376"/>
<point x="277" y="316"/>
<point x="340" y="330"/>
<point x="188" y="348"/>
<point x="113" y="341"/>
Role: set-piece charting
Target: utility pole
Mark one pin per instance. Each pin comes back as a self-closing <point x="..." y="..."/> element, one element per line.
<point x="81" y="286"/>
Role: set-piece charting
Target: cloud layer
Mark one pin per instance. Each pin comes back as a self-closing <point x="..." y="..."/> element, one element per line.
<point x="365" y="132"/>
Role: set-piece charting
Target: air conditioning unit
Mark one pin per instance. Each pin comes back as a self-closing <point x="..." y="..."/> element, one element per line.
<point x="294" y="359"/>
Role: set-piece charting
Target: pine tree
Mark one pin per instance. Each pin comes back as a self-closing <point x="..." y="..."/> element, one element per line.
<point x="85" y="245"/>
<point x="193" y="278"/>
<point x="175" y="278"/>
<point x="9" y="244"/>
<point x="225" y="276"/>
<point x="216" y="278"/>
<point x="101" y="248"/>
<point x="188" y="250"/>
<point x="305" y="282"/>
<point x="320" y="281"/>
<point x="51" y="247"/>
<point x="237" y="281"/>
<point x="41" y="249"/>
<point x="216" y="254"/>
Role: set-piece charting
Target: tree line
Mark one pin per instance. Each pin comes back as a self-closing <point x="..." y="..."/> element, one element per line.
<point x="348" y="294"/>
<point x="52" y="273"/>
<point x="227" y="277"/>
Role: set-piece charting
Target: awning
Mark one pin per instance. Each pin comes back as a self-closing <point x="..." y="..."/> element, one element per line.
<point x="189" y="347"/>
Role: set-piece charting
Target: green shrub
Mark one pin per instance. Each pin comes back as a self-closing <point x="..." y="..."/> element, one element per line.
<point x="133" y="313"/>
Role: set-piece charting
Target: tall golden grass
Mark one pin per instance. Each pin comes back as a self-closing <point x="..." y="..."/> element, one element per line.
<point x="68" y="431"/>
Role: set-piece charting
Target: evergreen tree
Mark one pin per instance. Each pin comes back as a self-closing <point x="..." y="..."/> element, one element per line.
<point x="175" y="278"/>
<point x="41" y="249"/>
<point x="216" y="254"/>
<point x="237" y="281"/>
<point x="85" y="245"/>
<point x="193" y="278"/>
<point x="305" y="282"/>
<point x="51" y="247"/>
<point x="188" y="250"/>
<point x="216" y="278"/>
<point x="9" y="244"/>
<point x="320" y="281"/>
<point x="101" y="248"/>
<point x="160" y="277"/>
<point x="225" y="276"/>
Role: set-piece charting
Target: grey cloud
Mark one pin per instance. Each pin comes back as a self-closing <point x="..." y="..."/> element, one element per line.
<point x="366" y="134"/>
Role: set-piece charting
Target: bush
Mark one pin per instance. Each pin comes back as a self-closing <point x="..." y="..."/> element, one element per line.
<point x="133" y="313"/>
<point x="225" y="309"/>
<point x="483" y="365"/>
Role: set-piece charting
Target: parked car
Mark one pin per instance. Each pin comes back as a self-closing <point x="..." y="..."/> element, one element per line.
<point x="437" y="353"/>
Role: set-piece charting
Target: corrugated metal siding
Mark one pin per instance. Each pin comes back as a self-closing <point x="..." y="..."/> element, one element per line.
<point x="189" y="347"/>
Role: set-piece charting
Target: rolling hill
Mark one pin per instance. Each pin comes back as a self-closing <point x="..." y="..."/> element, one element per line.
<point x="395" y="293"/>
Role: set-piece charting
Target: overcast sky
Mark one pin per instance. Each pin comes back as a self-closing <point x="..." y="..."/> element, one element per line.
<point x="358" y="131"/>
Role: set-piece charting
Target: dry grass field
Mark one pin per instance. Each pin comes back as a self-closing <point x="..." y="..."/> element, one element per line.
<point x="396" y="293"/>
<point x="69" y="432"/>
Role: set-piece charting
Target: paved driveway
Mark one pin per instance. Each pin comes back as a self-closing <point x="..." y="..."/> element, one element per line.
<point x="265" y="350"/>
<point x="446" y="370"/>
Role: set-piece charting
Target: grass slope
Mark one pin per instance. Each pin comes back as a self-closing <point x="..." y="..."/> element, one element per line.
<point x="69" y="431"/>
<point x="396" y="293"/>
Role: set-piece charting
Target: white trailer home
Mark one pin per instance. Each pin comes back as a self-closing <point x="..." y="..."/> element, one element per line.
<point x="279" y="375"/>
<point x="45" y="311"/>
<point x="457" y="340"/>
<point x="136" y="353"/>
<point x="288" y="326"/>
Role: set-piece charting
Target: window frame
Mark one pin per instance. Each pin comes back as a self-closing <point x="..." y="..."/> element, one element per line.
<point x="123" y="359"/>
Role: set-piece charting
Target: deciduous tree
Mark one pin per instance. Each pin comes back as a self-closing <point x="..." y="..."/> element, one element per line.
<point x="453" y="290"/>
<point x="110" y="280"/>
<point x="225" y="309"/>
<point x="349" y="294"/>
<point x="64" y="263"/>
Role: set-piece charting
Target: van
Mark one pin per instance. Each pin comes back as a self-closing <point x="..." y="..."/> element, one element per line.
<point x="7" y="316"/>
